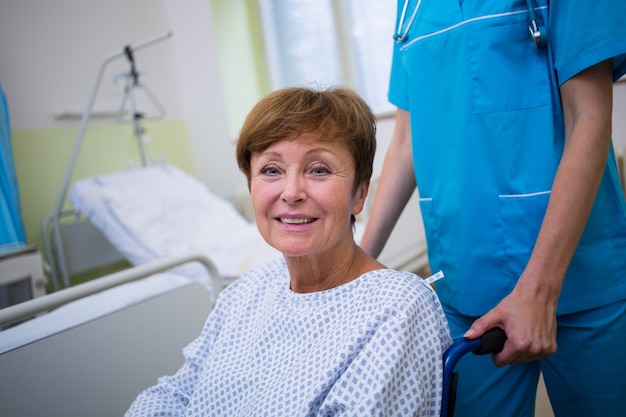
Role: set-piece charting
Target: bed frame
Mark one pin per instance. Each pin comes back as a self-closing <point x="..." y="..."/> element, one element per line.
<point x="98" y="367"/>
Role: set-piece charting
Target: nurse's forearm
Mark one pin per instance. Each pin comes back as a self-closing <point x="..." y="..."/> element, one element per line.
<point x="394" y="189"/>
<point x="587" y="106"/>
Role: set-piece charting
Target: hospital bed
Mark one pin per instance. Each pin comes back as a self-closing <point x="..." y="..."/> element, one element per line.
<point x="149" y="213"/>
<point x="102" y="342"/>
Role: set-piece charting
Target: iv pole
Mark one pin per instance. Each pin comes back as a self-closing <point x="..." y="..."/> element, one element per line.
<point x="60" y="255"/>
<point x="133" y="84"/>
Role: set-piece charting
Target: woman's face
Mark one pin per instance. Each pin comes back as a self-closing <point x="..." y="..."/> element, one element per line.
<point x="302" y="195"/>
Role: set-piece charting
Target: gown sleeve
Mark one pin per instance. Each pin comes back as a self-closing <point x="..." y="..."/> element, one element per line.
<point x="399" y="370"/>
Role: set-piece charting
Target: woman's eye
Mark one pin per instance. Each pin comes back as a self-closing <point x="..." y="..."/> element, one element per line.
<point x="320" y="169"/>
<point x="269" y="170"/>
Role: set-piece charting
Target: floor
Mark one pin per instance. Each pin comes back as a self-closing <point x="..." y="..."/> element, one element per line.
<point x="542" y="406"/>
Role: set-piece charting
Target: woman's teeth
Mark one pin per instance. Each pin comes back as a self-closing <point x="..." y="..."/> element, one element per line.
<point x="295" y="221"/>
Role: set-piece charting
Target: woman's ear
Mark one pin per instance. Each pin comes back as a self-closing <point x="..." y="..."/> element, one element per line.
<point x="359" y="197"/>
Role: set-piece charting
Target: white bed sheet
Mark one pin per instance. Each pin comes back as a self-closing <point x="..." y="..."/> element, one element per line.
<point x="157" y="211"/>
<point x="90" y="308"/>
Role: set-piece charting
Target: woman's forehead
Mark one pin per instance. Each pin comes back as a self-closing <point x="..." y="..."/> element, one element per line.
<point x="307" y="143"/>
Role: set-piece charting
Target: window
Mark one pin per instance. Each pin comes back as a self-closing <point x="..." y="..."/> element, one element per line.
<point x="321" y="43"/>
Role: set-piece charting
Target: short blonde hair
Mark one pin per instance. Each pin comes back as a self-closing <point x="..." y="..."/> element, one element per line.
<point x="336" y="114"/>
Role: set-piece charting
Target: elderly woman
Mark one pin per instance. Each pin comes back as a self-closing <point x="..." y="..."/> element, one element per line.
<point x="328" y="330"/>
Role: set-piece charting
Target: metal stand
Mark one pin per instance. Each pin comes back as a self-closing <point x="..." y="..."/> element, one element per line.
<point x="59" y="254"/>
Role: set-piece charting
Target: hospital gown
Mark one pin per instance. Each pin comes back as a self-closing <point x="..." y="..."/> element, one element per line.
<point x="372" y="346"/>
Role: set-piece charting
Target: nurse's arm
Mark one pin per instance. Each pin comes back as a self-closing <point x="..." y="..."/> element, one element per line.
<point x="528" y="314"/>
<point x="395" y="187"/>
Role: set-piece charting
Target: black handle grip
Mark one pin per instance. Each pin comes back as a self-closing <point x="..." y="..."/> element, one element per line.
<point x="492" y="342"/>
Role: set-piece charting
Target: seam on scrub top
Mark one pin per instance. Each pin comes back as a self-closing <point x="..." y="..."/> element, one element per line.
<point x="425" y="199"/>
<point x="465" y="22"/>
<point x="524" y="195"/>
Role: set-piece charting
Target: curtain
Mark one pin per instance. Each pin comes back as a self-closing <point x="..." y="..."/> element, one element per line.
<point x="11" y="227"/>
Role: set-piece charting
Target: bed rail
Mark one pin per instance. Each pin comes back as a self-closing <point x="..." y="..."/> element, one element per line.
<point x="48" y="302"/>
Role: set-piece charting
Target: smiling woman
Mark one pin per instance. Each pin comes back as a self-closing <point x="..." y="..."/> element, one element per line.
<point x="308" y="177"/>
<point x="303" y="201"/>
<point x="373" y="345"/>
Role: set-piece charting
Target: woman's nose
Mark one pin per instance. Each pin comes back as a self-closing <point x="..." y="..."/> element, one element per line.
<point x="293" y="190"/>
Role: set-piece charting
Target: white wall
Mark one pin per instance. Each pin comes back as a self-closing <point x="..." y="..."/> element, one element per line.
<point x="51" y="51"/>
<point x="201" y="90"/>
<point x="619" y="117"/>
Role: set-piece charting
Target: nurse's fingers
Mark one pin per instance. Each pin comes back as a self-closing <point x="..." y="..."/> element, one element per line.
<point x="482" y="324"/>
<point x="525" y="346"/>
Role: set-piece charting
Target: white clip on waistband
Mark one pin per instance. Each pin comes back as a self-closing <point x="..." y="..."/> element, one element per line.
<point x="434" y="277"/>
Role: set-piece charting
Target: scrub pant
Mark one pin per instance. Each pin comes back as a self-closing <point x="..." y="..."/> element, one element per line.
<point x="586" y="376"/>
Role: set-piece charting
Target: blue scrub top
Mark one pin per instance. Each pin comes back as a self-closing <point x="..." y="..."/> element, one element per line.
<point x="487" y="129"/>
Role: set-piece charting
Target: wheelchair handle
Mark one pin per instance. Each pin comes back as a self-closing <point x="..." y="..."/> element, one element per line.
<point x="491" y="342"/>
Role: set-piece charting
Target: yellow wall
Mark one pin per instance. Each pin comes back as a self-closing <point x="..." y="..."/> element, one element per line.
<point x="41" y="158"/>
<point x="241" y="57"/>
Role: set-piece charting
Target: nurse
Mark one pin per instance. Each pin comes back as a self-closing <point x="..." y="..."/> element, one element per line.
<point x="508" y="138"/>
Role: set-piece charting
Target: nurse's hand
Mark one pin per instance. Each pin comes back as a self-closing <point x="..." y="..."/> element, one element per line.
<point x="528" y="316"/>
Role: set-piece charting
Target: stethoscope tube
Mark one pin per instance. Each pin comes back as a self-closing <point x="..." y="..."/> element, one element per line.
<point x="537" y="33"/>
<point x="400" y="36"/>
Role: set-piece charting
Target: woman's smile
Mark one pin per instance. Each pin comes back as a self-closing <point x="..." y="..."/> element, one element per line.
<point x="290" y="220"/>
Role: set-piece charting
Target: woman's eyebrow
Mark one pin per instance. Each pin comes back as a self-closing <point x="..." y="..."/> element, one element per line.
<point x="320" y="150"/>
<point x="313" y="151"/>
